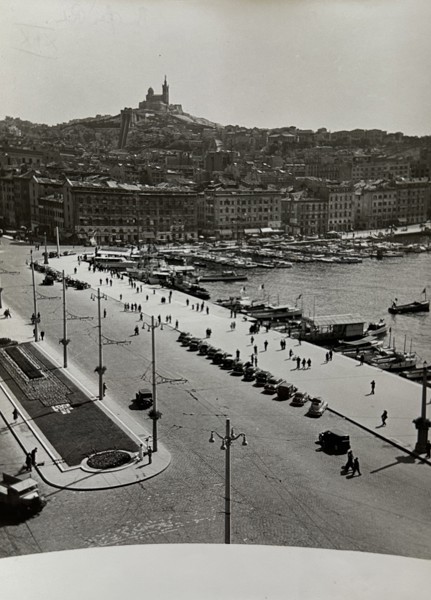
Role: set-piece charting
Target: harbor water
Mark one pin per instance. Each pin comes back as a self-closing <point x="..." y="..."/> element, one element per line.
<point x="367" y="289"/>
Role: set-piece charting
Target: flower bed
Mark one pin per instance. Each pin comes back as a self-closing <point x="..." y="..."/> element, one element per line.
<point x="110" y="459"/>
<point x="23" y="362"/>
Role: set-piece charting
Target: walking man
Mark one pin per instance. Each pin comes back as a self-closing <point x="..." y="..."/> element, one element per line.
<point x="384" y="417"/>
<point x="33" y="457"/>
<point x="373" y="386"/>
<point x="255" y="349"/>
<point x="15" y="414"/>
<point x="356" y="468"/>
<point x="303" y="363"/>
<point x="265" y="344"/>
<point x="252" y="340"/>
<point x="349" y="463"/>
<point x="42" y="335"/>
<point x="104" y="386"/>
<point x="298" y="362"/>
<point x="237" y="354"/>
<point x="309" y="363"/>
<point x="104" y="313"/>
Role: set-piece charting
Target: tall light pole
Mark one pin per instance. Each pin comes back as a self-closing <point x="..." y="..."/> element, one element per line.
<point x="422" y="423"/>
<point x="36" y="324"/>
<point x="64" y="341"/>
<point x="154" y="412"/>
<point x="227" y="441"/>
<point x="45" y="259"/>
<point x="100" y="369"/>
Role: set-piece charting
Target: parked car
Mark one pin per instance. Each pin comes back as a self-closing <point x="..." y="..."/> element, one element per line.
<point x="194" y="344"/>
<point x="299" y="399"/>
<point x="285" y="390"/>
<point x="219" y="356"/>
<point x="204" y="347"/>
<point x="182" y="335"/>
<point x="238" y="368"/>
<point x="228" y="362"/>
<point x="272" y="384"/>
<point x="144" y="398"/>
<point x="249" y="373"/>
<point x="211" y="351"/>
<point x="335" y="441"/>
<point x="186" y="339"/>
<point x="317" y="407"/>
<point x="262" y="377"/>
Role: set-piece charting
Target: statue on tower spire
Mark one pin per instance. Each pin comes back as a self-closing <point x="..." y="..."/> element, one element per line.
<point x="165" y="91"/>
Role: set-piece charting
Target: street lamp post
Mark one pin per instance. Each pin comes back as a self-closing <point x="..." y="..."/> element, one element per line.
<point x="64" y="341"/>
<point x="422" y="423"/>
<point x="227" y="441"/>
<point x="100" y="369"/>
<point x="45" y="256"/>
<point x="36" y="320"/>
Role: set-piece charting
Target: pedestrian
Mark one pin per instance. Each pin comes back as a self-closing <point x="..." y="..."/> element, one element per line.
<point x="384" y="417"/>
<point x="327" y="357"/>
<point x="104" y="388"/>
<point x="150" y="455"/>
<point x="42" y="335"/>
<point x="176" y="324"/>
<point x="104" y="313"/>
<point x="187" y="302"/>
<point x="252" y="340"/>
<point x="121" y="297"/>
<point x="141" y="316"/>
<point x="362" y="359"/>
<point x="428" y="449"/>
<point x="208" y="310"/>
<point x="136" y="330"/>
<point x="146" y="298"/>
<point x="299" y="339"/>
<point x="33" y="457"/>
<point x="237" y="354"/>
<point x="75" y="270"/>
<point x="15" y="413"/>
<point x="281" y="344"/>
<point x="309" y="363"/>
<point x="141" y="451"/>
<point x="100" y="281"/>
<point x="349" y="463"/>
<point x="298" y="362"/>
<point x="356" y="468"/>
<point x="373" y="386"/>
<point x="265" y="345"/>
<point x="303" y="363"/>
<point x="255" y="349"/>
<point x="330" y="354"/>
<point x="28" y="461"/>
<point x="290" y="353"/>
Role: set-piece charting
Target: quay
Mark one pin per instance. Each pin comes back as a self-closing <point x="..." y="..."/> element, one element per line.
<point x="343" y="382"/>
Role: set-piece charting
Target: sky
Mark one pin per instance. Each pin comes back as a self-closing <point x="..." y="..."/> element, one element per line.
<point x="339" y="64"/>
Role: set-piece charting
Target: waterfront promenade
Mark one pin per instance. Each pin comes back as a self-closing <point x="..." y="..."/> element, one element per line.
<point x="343" y="382"/>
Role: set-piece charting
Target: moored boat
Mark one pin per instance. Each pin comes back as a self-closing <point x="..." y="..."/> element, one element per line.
<point x="223" y="276"/>
<point x="412" y="307"/>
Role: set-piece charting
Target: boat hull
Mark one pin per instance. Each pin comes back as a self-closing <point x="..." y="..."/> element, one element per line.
<point x="413" y="307"/>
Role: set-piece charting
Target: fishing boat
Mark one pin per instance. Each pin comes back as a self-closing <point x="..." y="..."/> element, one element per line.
<point x="412" y="307"/>
<point x="270" y="312"/>
<point x="377" y="328"/>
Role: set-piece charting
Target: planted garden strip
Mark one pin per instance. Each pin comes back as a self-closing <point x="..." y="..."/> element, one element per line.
<point x="26" y="366"/>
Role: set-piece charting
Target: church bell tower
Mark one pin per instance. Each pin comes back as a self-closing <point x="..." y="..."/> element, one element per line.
<point x="165" y="92"/>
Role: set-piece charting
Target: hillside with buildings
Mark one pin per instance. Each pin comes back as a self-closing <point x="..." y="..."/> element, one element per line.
<point x="154" y="172"/>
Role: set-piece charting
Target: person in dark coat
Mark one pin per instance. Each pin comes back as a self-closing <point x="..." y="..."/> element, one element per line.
<point x="356" y="468"/>
<point x="384" y="417"/>
<point x="349" y="463"/>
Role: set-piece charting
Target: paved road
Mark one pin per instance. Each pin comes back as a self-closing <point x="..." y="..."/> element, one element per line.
<point x="285" y="491"/>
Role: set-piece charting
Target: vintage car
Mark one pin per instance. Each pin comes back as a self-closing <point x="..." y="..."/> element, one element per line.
<point x="299" y="398"/>
<point x="182" y="335"/>
<point x="212" y="351"/>
<point x="219" y="356"/>
<point x="238" y="368"/>
<point x="285" y="390"/>
<point x="317" y="407"/>
<point x="186" y="339"/>
<point x="272" y="384"/>
<point x="194" y="344"/>
<point x="204" y="347"/>
<point x="228" y="362"/>
<point x="334" y="441"/>
<point x="262" y="377"/>
<point x="144" y="398"/>
<point x="249" y="373"/>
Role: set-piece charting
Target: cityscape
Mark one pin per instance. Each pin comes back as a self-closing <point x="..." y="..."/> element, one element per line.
<point x="212" y="333"/>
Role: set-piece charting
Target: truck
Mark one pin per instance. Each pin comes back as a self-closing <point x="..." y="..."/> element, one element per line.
<point x="20" y="493"/>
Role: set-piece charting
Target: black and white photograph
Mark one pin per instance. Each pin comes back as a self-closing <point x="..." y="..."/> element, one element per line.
<point x="215" y="280"/>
